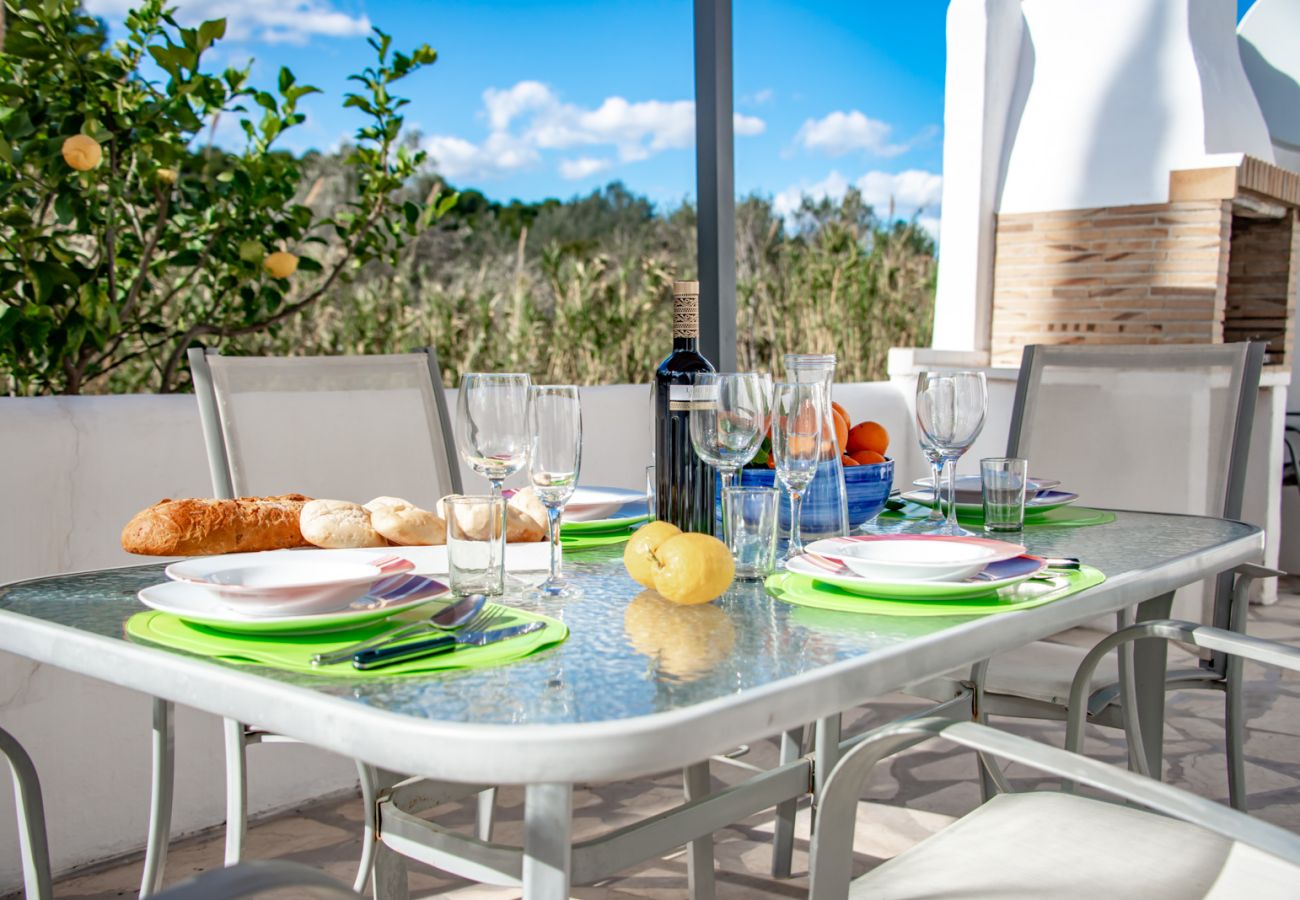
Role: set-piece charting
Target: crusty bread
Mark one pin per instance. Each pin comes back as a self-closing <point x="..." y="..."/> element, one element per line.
<point x="405" y="523"/>
<point x="530" y="506"/>
<point x="196" y="527"/>
<point x="338" y="525"/>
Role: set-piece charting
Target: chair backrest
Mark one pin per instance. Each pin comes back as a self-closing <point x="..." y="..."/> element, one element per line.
<point x="1161" y="428"/>
<point x="340" y="427"/>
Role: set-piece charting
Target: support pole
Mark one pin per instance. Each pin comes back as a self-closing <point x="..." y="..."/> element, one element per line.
<point x="715" y="183"/>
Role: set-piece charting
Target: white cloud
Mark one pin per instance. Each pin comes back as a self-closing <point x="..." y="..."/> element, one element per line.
<point x="583" y="166"/>
<point x="912" y="188"/>
<point x="846" y="132"/>
<point x="529" y="117"/>
<point x="910" y="192"/>
<point x="758" y="98"/>
<point x="273" y="21"/>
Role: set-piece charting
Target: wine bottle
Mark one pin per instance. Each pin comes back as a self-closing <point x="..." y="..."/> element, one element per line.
<point x="683" y="481"/>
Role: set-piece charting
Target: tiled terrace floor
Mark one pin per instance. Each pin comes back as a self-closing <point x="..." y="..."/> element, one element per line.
<point x="914" y="795"/>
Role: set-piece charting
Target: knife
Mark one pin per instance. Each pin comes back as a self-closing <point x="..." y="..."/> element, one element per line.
<point x="387" y="656"/>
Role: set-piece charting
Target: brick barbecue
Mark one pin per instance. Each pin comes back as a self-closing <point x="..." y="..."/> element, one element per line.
<point x="1216" y="263"/>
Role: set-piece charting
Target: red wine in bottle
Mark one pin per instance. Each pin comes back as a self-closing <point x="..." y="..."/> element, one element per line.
<point x="683" y="481"/>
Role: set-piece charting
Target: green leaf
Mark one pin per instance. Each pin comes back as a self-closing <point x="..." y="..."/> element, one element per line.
<point x="307" y="264"/>
<point x="212" y="30"/>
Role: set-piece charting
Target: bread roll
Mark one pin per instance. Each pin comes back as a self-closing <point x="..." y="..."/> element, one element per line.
<point x="474" y="523"/>
<point x="530" y="506"/>
<point x="196" y="527"/>
<point x="338" y="525"/>
<point x="406" y="524"/>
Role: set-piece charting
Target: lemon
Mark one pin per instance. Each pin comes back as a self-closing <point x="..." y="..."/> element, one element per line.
<point x="166" y="176"/>
<point x="281" y="264"/>
<point x="251" y="252"/>
<point x="693" y="568"/>
<point x="684" y="641"/>
<point x="82" y="152"/>
<point x="639" y="556"/>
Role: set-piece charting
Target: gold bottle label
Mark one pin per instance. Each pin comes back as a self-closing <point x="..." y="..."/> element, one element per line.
<point x="686" y="309"/>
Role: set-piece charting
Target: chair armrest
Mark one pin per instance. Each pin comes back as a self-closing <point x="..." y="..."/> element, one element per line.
<point x="1231" y="642"/>
<point x="248" y="879"/>
<point x="832" y="845"/>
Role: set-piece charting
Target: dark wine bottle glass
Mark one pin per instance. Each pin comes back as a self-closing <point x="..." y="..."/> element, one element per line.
<point x="683" y="481"/>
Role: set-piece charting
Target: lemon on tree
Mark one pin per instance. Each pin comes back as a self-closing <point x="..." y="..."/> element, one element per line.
<point x="281" y="264"/>
<point x="82" y="152"/>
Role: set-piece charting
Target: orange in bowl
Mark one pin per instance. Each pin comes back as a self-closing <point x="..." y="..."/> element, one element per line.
<point x="868" y="436"/>
<point x="866" y="458"/>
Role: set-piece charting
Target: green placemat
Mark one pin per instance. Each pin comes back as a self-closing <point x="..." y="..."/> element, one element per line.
<point x="587" y="541"/>
<point x="293" y="653"/>
<point x="803" y="590"/>
<point x="1061" y="517"/>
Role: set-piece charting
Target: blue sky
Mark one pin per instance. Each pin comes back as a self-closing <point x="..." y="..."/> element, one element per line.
<point x="534" y="99"/>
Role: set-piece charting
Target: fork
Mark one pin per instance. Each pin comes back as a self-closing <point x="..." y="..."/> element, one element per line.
<point x="483" y="617"/>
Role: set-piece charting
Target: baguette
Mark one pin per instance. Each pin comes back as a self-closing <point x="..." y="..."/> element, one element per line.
<point x="202" y="527"/>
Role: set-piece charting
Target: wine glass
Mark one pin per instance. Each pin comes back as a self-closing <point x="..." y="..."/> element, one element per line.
<point x="492" y="424"/>
<point x="950" y="410"/>
<point x="554" y="458"/>
<point x="796" y="445"/>
<point x="727" y="432"/>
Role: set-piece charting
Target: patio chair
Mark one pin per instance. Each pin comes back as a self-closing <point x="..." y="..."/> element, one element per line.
<point x="1064" y="397"/>
<point x="1045" y="843"/>
<point x="31" y="819"/>
<point x="350" y="427"/>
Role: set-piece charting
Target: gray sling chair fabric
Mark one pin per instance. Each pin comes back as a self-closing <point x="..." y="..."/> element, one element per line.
<point x="342" y="427"/>
<point x="1131" y="422"/>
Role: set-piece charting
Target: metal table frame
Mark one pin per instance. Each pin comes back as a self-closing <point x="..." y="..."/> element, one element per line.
<point x="543" y="757"/>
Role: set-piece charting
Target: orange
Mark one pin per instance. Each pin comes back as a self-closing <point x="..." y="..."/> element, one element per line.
<point x="835" y="407"/>
<point x="841" y="428"/>
<point x="281" y="264"/>
<point x="869" y="436"/>
<point x="866" y="457"/>
<point x="847" y="461"/>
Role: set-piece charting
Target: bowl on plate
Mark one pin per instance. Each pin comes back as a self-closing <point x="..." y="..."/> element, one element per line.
<point x="970" y="489"/>
<point x="914" y="557"/>
<point x="284" y="586"/>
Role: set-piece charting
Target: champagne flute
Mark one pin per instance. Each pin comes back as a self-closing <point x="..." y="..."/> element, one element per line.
<point x="950" y="411"/>
<point x="727" y="432"/>
<point x="554" y="458"/>
<point x="492" y="431"/>
<point x="796" y="445"/>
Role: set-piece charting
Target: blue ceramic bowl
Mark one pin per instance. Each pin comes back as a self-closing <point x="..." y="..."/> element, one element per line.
<point x="868" y="488"/>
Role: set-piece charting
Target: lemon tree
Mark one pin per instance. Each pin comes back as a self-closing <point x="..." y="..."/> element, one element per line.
<point x="126" y="235"/>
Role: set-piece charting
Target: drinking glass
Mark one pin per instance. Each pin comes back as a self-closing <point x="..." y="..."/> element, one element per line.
<point x="727" y="432"/>
<point x="554" y="458"/>
<point x="1002" y="482"/>
<point x="492" y="428"/>
<point x="950" y="409"/>
<point x="796" y="445"/>
<point x="476" y="539"/>
<point x="750" y="515"/>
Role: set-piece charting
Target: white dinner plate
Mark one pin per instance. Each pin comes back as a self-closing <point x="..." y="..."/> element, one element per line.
<point x="970" y="488"/>
<point x="914" y="557"/>
<point x="201" y="607"/>
<point x="291" y="584"/>
<point x="1042" y="503"/>
<point x="590" y="503"/>
<point x="995" y="575"/>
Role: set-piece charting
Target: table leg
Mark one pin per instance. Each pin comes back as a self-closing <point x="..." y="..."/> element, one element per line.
<point x="827" y="755"/>
<point x="32" y="843"/>
<point x="160" y="801"/>
<point x="783" y="826"/>
<point x="699" y="860"/>
<point x="1149" y="668"/>
<point x="548" y="841"/>
<point x="388" y="873"/>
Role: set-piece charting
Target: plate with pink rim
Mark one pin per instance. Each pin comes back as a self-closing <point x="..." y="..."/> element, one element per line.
<point x="921" y="557"/>
<point x="992" y="577"/>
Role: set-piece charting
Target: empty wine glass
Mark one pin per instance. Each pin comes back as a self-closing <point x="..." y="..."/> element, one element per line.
<point x="950" y="410"/>
<point x="796" y="445"/>
<point x="728" y="429"/>
<point x="492" y="424"/>
<point x="554" y="458"/>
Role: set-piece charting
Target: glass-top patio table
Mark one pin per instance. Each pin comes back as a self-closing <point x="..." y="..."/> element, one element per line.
<point x="603" y="706"/>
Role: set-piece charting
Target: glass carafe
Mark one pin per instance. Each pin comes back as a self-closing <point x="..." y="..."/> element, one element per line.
<point x="825" y="506"/>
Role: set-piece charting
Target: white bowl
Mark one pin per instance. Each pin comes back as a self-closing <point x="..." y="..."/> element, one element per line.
<point x="589" y="504"/>
<point x="285" y="586"/>
<point x="915" y="558"/>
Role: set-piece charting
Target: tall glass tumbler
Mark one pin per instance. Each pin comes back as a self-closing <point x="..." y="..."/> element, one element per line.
<point x="476" y="544"/>
<point x="750" y="514"/>
<point x="1003" y="480"/>
<point x="826" y="505"/>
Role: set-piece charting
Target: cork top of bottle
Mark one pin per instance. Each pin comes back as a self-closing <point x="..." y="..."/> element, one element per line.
<point x="686" y="309"/>
<point x="686" y="289"/>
